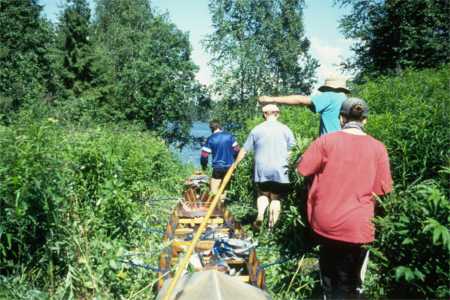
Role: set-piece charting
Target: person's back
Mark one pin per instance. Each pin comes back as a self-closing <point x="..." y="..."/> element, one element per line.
<point x="328" y="105"/>
<point x="349" y="167"/>
<point x="221" y="145"/>
<point x="341" y="203"/>
<point x="271" y="143"/>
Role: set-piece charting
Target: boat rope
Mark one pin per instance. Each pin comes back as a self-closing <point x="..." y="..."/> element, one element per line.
<point x="157" y="200"/>
<point x="280" y="261"/>
<point x="138" y="265"/>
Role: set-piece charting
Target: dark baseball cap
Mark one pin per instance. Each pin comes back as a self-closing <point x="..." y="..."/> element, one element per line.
<point x="348" y="104"/>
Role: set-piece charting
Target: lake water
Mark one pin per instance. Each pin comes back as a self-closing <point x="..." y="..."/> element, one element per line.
<point x="190" y="154"/>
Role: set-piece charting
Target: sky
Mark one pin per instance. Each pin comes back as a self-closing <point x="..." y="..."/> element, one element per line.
<point x="321" y="18"/>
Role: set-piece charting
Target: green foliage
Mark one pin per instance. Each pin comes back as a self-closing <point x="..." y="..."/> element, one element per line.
<point x="258" y="47"/>
<point x="394" y="35"/>
<point x="151" y="67"/>
<point x="410" y="116"/>
<point x="411" y="253"/>
<point x="128" y="64"/>
<point x="74" y="202"/>
<point x="25" y="60"/>
<point x="202" y="104"/>
<point x="76" y="47"/>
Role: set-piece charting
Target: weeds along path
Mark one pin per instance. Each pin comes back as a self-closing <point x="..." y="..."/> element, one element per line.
<point x="83" y="210"/>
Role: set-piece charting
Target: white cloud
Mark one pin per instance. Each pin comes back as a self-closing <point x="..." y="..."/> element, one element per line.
<point x="201" y="59"/>
<point x="204" y="74"/>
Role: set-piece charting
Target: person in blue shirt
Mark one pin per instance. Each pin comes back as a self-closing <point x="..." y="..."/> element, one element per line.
<point x="327" y="104"/>
<point x="223" y="147"/>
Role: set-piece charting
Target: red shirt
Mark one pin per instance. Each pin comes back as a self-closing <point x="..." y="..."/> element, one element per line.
<point x="347" y="170"/>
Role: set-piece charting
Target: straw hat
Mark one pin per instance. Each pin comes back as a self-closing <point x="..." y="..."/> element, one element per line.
<point x="334" y="84"/>
<point x="270" y="108"/>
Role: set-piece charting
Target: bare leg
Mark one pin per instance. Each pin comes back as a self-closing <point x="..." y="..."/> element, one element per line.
<point x="274" y="212"/>
<point x="262" y="203"/>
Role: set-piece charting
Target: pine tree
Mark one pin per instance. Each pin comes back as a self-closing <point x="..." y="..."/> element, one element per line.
<point x="76" y="46"/>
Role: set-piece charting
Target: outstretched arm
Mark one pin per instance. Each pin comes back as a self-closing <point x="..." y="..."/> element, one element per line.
<point x="291" y="100"/>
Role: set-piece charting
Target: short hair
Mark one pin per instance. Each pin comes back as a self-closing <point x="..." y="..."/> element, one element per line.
<point x="354" y="109"/>
<point x="356" y="113"/>
<point x="214" y="125"/>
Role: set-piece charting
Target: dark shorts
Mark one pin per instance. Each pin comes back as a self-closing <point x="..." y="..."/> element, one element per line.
<point x="273" y="187"/>
<point x="219" y="173"/>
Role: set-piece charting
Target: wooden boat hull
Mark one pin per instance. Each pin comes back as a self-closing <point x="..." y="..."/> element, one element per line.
<point x="184" y="222"/>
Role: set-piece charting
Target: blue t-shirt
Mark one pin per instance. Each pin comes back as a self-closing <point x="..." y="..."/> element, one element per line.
<point x="328" y="105"/>
<point x="271" y="142"/>
<point x="221" y="145"/>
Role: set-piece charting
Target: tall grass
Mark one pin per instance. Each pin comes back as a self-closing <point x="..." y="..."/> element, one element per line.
<point x="74" y="203"/>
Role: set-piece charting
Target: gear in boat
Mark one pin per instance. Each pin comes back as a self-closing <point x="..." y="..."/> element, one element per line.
<point x="224" y="262"/>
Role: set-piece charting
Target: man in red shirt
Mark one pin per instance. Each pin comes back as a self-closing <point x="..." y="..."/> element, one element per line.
<point x="349" y="168"/>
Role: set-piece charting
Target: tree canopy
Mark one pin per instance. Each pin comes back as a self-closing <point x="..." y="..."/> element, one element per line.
<point x="129" y="64"/>
<point x="25" y="62"/>
<point x="392" y="35"/>
<point x="258" y="46"/>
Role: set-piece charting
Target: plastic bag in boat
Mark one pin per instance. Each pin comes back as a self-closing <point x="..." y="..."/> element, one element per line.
<point x="232" y="248"/>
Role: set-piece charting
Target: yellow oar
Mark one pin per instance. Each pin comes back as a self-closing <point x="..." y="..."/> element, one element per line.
<point x="198" y="234"/>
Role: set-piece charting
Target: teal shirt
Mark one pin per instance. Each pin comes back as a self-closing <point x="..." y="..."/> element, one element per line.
<point x="328" y="105"/>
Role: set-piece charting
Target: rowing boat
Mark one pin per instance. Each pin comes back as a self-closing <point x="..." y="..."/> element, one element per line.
<point x="225" y="256"/>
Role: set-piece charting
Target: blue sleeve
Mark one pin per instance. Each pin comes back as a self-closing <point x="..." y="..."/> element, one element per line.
<point x="205" y="151"/>
<point x="320" y="102"/>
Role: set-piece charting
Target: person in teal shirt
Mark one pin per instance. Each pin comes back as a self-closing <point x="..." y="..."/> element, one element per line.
<point x="327" y="104"/>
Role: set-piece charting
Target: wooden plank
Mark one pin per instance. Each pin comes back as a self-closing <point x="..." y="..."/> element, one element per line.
<point x="200" y="220"/>
<point x="236" y="262"/>
<point x="244" y="278"/>
<point x="201" y="245"/>
<point x="181" y="231"/>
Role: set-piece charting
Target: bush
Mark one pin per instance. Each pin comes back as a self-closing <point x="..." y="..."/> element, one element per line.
<point x="409" y="113"/>
<point x="411" y="252"/>
<point x="73" y="202"/>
